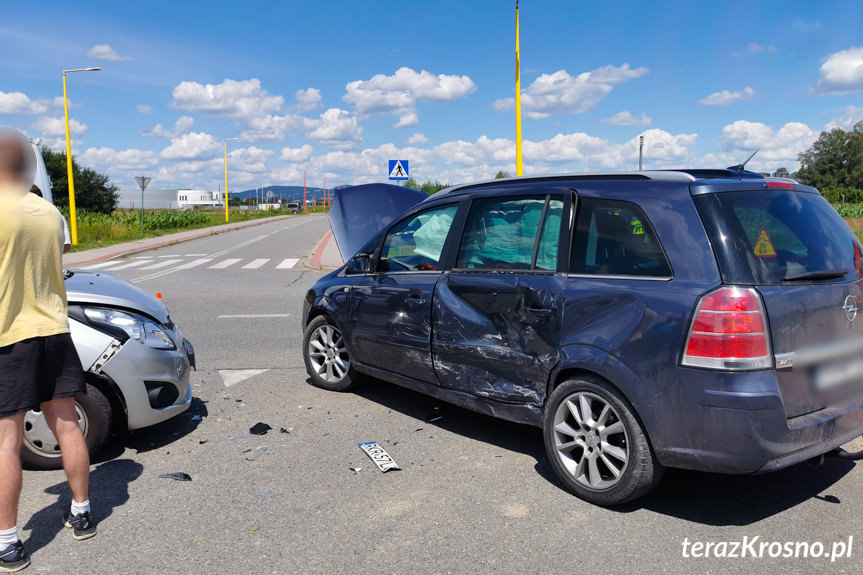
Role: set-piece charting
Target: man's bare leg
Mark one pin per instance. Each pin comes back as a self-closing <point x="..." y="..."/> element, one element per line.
<point x="11" y="436"/>
<point x="62" y="420"/>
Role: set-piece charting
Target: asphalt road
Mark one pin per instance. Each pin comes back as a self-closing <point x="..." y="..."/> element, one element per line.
<point x="475" y="495"/>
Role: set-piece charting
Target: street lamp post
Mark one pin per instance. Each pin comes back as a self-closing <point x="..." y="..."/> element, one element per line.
<point x="226" y="175"/>
<point x="73" y="220"/>
<point x="518" y="158"/>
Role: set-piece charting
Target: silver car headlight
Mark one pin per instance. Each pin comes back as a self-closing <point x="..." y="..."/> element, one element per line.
<point x="136" y="326"/>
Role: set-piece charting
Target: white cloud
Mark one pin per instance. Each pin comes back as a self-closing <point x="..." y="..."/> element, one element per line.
<point x="272" y="127"/>
<point x="726" y="98"/>
<point x="753" y="48"/>
<point x="309" y="99"/>
<point x="850" y="116"/>
<point x="399" y="93"/>
<point x="55" y="127"/>
<point x="144" y="109"/>
<point x="418" y="138"/>
<point x="337" y="128"/>
<point x="181" y="126"/>
<point x="626" y="119"/>
<point x="776" y="147"/>
<point x="105" y="52"/>
<point x="191" y="146"/>
<point x="249" y="159"/>
<point x="19" y="104"/>
<point x="561" y="93"/>
<point x="842" y="72"/>
<point x="112" y="161"/>
<point x="296" y="155"/>
<point x="232" y="98"/>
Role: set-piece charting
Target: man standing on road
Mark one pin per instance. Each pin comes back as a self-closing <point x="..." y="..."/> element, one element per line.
<point x="39" y="366"/>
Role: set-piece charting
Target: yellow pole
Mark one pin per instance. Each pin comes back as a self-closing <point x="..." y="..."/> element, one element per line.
<point x="518" y="162"/>
<point x="73" y="221"/>
<point x="226" y="181"/>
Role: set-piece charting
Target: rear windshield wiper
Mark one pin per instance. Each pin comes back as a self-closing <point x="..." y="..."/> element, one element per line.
<point x="820" y="275"/>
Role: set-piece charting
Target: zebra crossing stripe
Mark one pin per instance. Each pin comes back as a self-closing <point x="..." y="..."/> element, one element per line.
<point x="161" y="264"/>
<point x="131" y="265"/>
<point x="224" y="264"/>
<point x="255" y="264"/>
<point x="101" y="265"/>
<point x="193" y="264"/>
<point x="287" y="264"/>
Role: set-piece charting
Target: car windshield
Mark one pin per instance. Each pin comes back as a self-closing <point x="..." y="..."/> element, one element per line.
<point x="773" y="237"/>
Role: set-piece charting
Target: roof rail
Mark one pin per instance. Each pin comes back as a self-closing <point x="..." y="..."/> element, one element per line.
<point x="719" y="173"/>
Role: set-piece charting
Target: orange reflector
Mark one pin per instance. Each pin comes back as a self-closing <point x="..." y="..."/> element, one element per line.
<point x="158" y="295"/>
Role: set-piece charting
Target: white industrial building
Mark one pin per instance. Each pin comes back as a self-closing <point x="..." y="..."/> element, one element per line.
<point x="167" y="199"/>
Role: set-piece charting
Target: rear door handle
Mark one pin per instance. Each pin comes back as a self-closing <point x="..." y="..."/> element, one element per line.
<point x="415" y="301"/>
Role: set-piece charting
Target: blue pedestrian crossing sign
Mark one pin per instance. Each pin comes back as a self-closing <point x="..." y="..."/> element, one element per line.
<point x="399" y="170"/>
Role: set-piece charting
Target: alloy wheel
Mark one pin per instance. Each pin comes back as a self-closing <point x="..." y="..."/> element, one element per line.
<point x="328" y="354"/>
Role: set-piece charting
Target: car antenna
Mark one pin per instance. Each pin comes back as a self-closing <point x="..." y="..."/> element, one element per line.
<point x="739" y="167"/>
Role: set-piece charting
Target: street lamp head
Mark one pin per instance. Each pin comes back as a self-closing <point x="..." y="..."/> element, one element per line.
<point x="93" y="69"/>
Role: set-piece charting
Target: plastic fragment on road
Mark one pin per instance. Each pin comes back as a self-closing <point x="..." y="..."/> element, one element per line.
<point x="283" y="430"/>
<point x="260" y="494"/>
<point x="379" y="456"/>
<point x="355" y="469"/>
<point x="203" y="441"/>
<point x="262" y="448"/>
<point x="178" y="476"/>
<point x="434" y="415"/>
<point x="196" y="418"/>
<point x="259" y="429"/>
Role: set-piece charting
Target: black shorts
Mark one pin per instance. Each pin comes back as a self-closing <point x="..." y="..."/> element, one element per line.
<point x="37" y="370"/>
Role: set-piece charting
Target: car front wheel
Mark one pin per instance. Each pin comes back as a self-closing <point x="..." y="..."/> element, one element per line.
<point x="41" y="451"/>
<point x="597" y="447"/>
<point x="326" y="356"/>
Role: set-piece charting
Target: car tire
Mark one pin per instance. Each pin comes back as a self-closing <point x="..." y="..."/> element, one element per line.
<point x="326" y="356"/>
<point x="40" y="450"/>
<point x="605" y="458"/>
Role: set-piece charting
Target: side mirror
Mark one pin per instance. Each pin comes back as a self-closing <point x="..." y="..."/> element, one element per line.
<point x="359" y="264"/>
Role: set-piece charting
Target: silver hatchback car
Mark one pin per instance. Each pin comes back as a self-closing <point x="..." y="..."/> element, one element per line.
<point x="136" y="360"/>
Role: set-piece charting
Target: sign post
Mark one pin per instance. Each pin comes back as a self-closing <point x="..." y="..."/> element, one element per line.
<point x="399" y="170"/>
<point x="143" y="182"/>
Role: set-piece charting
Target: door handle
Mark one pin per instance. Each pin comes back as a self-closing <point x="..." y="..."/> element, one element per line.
<point x="540" y="311"/>
<point x="415" y="301"/>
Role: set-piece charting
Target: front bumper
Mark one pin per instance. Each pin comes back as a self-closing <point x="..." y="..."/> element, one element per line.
<point x="154" y="383"/>
<point x="736" y="423"/>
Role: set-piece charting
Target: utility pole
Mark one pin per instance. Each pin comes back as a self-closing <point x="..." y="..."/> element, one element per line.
<point x="518" y="158"/>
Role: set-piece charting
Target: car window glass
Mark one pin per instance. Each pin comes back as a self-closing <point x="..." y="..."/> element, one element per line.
<point x="615" y="238"/>
<point x="546" y="256"/>
<point x="500" y="233"/>
<point x="417" y="243"/>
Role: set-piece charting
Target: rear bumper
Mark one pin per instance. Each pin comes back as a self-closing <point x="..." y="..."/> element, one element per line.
<point x="736" y="423"/>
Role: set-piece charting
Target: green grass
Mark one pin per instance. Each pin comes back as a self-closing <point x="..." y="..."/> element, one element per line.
<point x="101" y="230"/>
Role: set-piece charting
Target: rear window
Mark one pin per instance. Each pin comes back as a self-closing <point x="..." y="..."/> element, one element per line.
<point x="777" y="237"/>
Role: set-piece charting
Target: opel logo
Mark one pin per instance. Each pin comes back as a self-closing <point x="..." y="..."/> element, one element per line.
<point x="850" y="308"/>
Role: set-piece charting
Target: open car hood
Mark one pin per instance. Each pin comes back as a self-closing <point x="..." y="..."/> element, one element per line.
<point x="109" y="290"/>
<point x="358" y="213"/>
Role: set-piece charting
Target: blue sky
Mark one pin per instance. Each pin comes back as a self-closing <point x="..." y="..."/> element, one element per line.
<point x="337" y="88"/>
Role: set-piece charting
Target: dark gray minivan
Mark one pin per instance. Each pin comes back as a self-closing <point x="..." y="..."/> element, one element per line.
<point x="699" y="319"/>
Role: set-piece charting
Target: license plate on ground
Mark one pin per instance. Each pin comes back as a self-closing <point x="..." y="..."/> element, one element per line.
<point x="379" y="455"/>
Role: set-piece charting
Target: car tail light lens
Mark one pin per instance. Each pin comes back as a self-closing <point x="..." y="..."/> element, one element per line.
<point x="782" y="185"/>
<point x="729" y="331"/>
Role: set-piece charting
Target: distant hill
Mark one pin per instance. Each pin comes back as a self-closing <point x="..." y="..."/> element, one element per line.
<point x="289" y="193"/>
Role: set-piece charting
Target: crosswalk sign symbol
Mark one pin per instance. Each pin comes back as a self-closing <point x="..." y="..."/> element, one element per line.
<point x="399" y="170"/>
<point x="763" y="246"/>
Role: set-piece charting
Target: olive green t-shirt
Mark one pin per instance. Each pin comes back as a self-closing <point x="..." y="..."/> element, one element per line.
<point x="32" y="291"/>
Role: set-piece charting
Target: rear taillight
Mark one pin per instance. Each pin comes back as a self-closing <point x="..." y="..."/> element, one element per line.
<point x="782" y="185"/>
<point x="729" y="331"/>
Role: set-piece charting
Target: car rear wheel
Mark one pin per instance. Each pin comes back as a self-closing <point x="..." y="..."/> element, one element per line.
<point x="40" y="449"/>
<point x="596" y="445"/>
<point x="326" y="356"/>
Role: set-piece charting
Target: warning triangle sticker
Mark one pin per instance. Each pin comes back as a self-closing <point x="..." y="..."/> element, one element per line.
<point x="398" y="171"/>
<point x="763" y="246"/>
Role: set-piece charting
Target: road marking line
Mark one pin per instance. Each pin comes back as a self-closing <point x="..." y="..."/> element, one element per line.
<point x="255" y="264"/>
<point x="193" y="264"/>
<point x="238" y="246"/>
<point x="171" y="256"/>
<point x="131" y="265"/>
<point x="287" y="264"/>
<point x="194" y="255"/>
<point x="101" y="265"/>
<point x="231" y="377"/>
<point x="253" y="315"/>
<point x="224" y="264"/>
<point x="162" y="264"/>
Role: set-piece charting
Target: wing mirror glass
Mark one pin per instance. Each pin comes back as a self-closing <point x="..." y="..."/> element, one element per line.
<point x="360" y="264"/>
